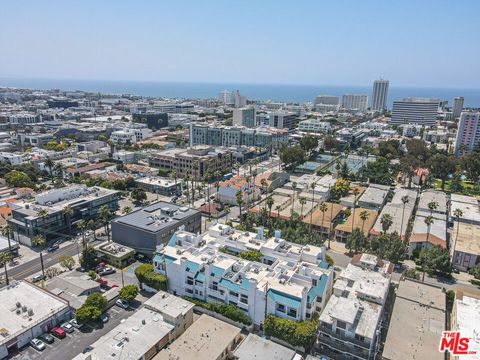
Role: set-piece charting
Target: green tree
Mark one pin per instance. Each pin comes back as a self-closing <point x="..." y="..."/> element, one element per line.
<point x="239" y="199"/>
<point x="82" y="226"/>
<point x="442" y="166"/>
<point x="87" y="313"/>
<point x="435" y="260"/>
<point x="126" y="210"/>
<point x="292" y="157"/>
<point x="386" y="220"/>
<point x="39" y="240"/>
<point x="17" y="178"/>
<point x="364" y="215"/>
<point x="105" y="213"/>
<point x="67" y="262"/>
<point x="389" y="149"/>
<point x="456" y="184"/>
<point x="5" y="258"/>
<point x="309" y="143"/>
<point x="341" y="187"/>
<point x="97" y="300"/>
<point x="355" y="241"/>
<point x="138" y="195"/>
<point x="8" y="233"/>
<point x="330" y="143"/>
<point x="405" y="201"/>
<point x="68" y="212"/>
<point x="128" y="293"/>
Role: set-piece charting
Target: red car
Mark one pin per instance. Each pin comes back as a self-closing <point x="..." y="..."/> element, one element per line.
<point x="58" y="332"/>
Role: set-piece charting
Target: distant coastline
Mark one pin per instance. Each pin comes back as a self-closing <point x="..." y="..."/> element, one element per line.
<point x="274" y="92"/>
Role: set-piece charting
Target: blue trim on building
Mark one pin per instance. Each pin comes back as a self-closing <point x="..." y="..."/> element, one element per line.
<point x="318" y="290"/>
<point x="230" y="285"/>
<point x="285" y="299"/>
<point x="200" y="276"/>
<point x="192" y="267"/>
<point x="217" y="272"/>
<point x="173" y="240"/>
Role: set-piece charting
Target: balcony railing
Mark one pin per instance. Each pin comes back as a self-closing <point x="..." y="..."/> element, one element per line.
<point x="330" y="332"/>
<point x="342" y="347"/>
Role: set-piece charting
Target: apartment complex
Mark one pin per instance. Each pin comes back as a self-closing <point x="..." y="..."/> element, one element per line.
<point x="468" y="132"/>
<point x="350" y="324"/>
<point x="315" y="126"/>
<point x="151" y="226"/>
<point x="465" y="319"/>
<point x="421" y="111"/>
<point x="133" y="133"/>
<point x="196" y="161"/>
<point x="457" y="106"/>
<point x="245" y="117"/>
<point x="379" y="95"/>
<point x="356" y="102"/>
<point x="219" y="135"/>
<point x="45" y="214"/>
<point x="286" y="280"/>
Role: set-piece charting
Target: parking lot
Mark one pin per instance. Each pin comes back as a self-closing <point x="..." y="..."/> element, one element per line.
<point x="75" y="342"/>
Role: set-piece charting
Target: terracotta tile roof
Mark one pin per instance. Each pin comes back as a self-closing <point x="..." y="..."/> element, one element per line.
<point x="418" y="238"/>
<point x="87" y="168"/>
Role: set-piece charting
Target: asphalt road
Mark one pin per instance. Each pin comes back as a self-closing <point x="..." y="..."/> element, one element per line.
<point x="27" y="269"/>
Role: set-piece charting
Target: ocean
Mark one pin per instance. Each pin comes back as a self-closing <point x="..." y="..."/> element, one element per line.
<point x="274" y="92"/>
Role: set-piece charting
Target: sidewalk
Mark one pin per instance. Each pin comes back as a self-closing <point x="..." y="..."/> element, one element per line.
<point x="337" y="247"/>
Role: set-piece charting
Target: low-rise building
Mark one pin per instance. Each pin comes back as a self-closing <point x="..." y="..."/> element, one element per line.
<point x="227" y="191"/>
<point x="417" y="321"/>
<point x="73" y="289"/>
<point x="424" y="235"/>
<point x="45" y="214"/>
<point x="256" y="347"/>
<point x="115" y="254"/>
<point x="374" y="197"/>
<point x="432" y="196"/>
<point x="206" y="339"/>
<point x="465" y="319"/>
<point x="355" y="221"/>
<point x="469" y="207"/>
<point x="208" y="267"/>
<point x="27" y="312"/>
<point x="153" y="225"/>
<point x="465" y="245"/>
<point x="315" y="126"/>
<point x="350" y="324"/>
<point x="161" y="186"/>
<point x="325" y="221"/>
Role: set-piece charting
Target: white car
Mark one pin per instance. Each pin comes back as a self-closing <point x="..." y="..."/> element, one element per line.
<point x="67" y="327"/>
<point x="75" y="323"/>
<point x="37" y="344"/>
<point x="122" y="303"/>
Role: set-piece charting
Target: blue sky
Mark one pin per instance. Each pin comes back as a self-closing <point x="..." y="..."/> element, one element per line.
<point x="411" y="42"/>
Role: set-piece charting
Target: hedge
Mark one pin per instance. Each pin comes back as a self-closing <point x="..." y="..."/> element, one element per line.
<point x="252" y="255"/>
<point x="296" y="333"/>
<point x="146" y="275"/>
<point x="228" y="310"/>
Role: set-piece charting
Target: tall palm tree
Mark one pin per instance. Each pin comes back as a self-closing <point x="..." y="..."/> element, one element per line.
<point x="104" y="213"/>
<point x="82" y="226"/>
<point x="270" y="203"/>
<point x="68" y="212"/>
<point x="386" y="220"/>
<point x="428" y="221"/>
<point x="187" y="179"/>
<point x="42" y="214"/>
<point x="458" y="214"/>
<point x="405" y="201"/>
<point x="355" y="193"/>
<point x="303" y="201"/>
<point x="50" y="164"/>
<point x="92" y="225"/>
<point x="312" y="186"/>
<point x="239" y="198"/>
<point x="294" y="187"/>
<point x="112" y="147"/>
<point x="226" y="210"/>
<point x="7" y="232"/>
<point x="248" y="178"/>
<point x="5" y="258"/>
<point x="432" y="205"/>
<point x="278" y="208"/>
<point x="323" y="208"/>
<point x="364" y="215"/>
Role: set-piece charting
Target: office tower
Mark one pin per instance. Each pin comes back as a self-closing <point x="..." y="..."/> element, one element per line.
<point x="282" y="119"/>
<point x="421" y="111"/>
<point x="379" y="95"/>
<point x="457" y="106"/>
<point x="226" y="97"/>
<point x="468" y="133"/>
<point x="244" y="117"/>
<point x="357" y="102"/>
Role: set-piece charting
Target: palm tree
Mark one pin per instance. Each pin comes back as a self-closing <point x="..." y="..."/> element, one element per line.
<point x="7" y="232"/>
<point x="226" y="210"/>
<point x="294" y="187"/>
<point x="270" y="203"/>
<point x="364" y="215"/>
<point x="5" y="258"/>
<point x="428" y="221"/>
<point x="432" y="205"/>
<point x="50" y="164"/>
<point x="186" y="179"/>
<point x="239" y="198"/>
<point x="58" y="169"/>
<point x="104" y="213"/>
<point x="264" y="184"/>
<point x="405" y="201"/>
<point x="303" y="201"/>
<point x="42" y="213"/>
<point x="248" y="178"/>
<point x="355" y="193"/>
<point x="92" y="225"/>
<point x="68" y="212"/>
<point x="386" y="220"/>
<point x="39" y="240"/>
<point x="312" y="186"/>
<point x="323" y="208"/>
<point x="112" y="147"/>
<point x="82" y="226"/>
<point x="278" y="208"/>
<point x="458" y="214"/>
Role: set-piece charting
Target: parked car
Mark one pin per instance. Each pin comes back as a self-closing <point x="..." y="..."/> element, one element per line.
<point x="142" y="258"/>
<point x="53" y="247"/>
<point x="37" y="344"/>
<point x="58" y="332"/>
<point x="108" y="271"/>
<point x="38" y="278"/>
<point x="122" y="303"/>
<point x="47" y="338"/>
<point x="81" y="269"/>
<point x="67" y="327"/>
<point x="75" y="323"/>
<point x="87" y="349"/>
<point x="104" y="317"/>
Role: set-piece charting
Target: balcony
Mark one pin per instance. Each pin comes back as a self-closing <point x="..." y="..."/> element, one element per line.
<point x="343" y="338"/>
<point x="342" y="347"/>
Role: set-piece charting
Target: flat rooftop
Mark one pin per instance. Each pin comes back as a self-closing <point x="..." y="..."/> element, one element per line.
<point x="468" y="240"/>
<point x="432" y="195"/>
<point x="417" y="322"/>
<point x="467" y="320"/>
<point x="14" y="320"/>
<point x="168" y="304"/>
<point x="254" y="347"/>
<point x="156" y="217"/>
<point x="206" y="339"/>
<point x="131" y="339"/>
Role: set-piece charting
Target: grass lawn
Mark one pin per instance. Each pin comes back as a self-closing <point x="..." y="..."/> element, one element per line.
<point x="468" y="187"/>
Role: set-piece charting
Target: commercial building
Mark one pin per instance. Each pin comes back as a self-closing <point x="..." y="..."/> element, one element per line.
<point x="27" y="219"/>
<point x="256" y="347"/>
<point x="465" y="319"/>
<point x="350" y="324"/>
<point x="317" y="126"/>
<point x="421" y="111"/>
<point x="151" y="226"/>
<point x="114" y="254"/>
<point x="196" y="161"/>
<point x="355" y="102"/>
<point x="282" y="119"/>
<point x="465" y="245"/>
<point x="73" y="289"/>
<point x="379" y="95"/>
<point x="417" y="321"/>
<point x="326" y="100"/>
<point x="457" y="106"/>
<point x="161" y="186"/>
<point x="27" y="312"/>
<point x="245" y="117"/>
<point x="208" y="267"/>
<point x="468" y="133"/>
<point x="206" y="339"/>
<point x="219" y="135"/>
<point x="226" y="97"/>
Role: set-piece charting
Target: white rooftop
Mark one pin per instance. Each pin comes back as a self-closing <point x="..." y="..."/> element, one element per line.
<point x="467" y="322"/>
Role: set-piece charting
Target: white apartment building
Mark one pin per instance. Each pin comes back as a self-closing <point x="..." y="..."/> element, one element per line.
<point x="11" y="158"/>
<point x="350" y="323"/>
<point x="131" y="134"/>
<point x="288" y="280"/>
<point x="226" y="97"/>
<point x="358" y="102"/>
<point x="421" y="111"/>
<point x="465" y="318"/>
<point x="379" y="95"/>
<point x="326" y="100"/>
<point x="317" y="126"/>
<point x="468" y="133"/>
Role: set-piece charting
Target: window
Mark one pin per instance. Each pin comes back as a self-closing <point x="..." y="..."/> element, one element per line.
<point x="314" y="282"/>
<point x="234" y="294"/>
<point x="281" y="308"/>
<point x="189" y="280"/>
<point x="341" y="324"/>
<point x="292" y="312"/>
<point x="244" y="299"/>
<point x="215" y="285"/>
